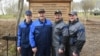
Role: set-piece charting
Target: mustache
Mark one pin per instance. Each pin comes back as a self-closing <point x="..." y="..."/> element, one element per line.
<point x="41" y="16"/>
<point x="57" y="18"/>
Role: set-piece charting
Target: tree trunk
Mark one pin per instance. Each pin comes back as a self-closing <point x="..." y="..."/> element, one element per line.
<point x="19" y="13"/>
<point x="1" y="8"/>
<point x="85" y="14"/>
<point x="20" y="4"/>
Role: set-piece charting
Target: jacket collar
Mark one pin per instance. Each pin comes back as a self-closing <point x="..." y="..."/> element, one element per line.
<point x="27" y="23"/>
<point x="74" y="22"/>
<point x="59" y="21"/>
<point x="42" y="22"/>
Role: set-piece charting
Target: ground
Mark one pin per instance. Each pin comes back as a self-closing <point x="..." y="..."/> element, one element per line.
<point x="92" y="45"/>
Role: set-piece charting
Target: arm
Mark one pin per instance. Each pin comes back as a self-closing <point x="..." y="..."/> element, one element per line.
<point x="80" y="38"/>
<point x="19" y="37"/>
<point x="31" y="36"/>
<point x="51" y="35"/>
<point x="64" y="38"/>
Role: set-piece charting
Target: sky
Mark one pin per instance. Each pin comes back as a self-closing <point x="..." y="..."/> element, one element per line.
<point x="27" y="2"/>
<point x="76" y="0"/>
<point x="73" y="1"/>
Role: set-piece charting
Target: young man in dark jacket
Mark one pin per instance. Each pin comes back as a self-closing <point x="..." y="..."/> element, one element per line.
<point x="59" y="32"/>
<point x="40" y="35"/>
<point x="23" y="45"/>
<point x="76" y="35"/>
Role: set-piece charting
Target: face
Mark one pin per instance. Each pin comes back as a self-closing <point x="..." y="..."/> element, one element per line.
<point x="72" y="18"/>
<point x="58" y="17"/>
<point x="41" y="15"/>
<point x="28" y="17"/>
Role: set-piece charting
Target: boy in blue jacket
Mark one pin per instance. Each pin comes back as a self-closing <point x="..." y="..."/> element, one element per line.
<point x="23" y="45"/>
<point x="40" y="35"/>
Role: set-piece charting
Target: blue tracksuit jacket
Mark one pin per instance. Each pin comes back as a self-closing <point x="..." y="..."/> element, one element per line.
<point x="40" y="34"/>
<point x="23" y="34"/>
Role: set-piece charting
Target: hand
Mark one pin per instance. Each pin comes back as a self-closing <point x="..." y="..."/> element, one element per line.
<point x="19" y="49"/>
<point x="74" y="54"/>
<point x="60" y="51"/>
<point x="34" y="50"/>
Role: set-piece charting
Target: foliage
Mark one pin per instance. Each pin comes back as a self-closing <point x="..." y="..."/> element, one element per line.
<point x="87" y="5"/>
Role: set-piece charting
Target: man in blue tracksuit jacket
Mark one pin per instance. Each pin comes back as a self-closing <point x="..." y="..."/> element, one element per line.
<point x="40" y="35"/>
<point x="23" y="45"/>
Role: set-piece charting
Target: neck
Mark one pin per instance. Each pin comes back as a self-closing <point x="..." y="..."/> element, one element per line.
<point x="58" y="21"/>
<point x="73" y="22"/>
<point x="43" y="19"/>
<point x="28" y="21"/>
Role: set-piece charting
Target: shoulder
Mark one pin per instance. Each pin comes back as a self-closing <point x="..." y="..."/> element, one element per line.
<point x="80" y="25"/>
<point x="34" y="21"/>
<point x="21" y="23"/>
<point x="63" y="25"/>
<point x="48" y="20"/>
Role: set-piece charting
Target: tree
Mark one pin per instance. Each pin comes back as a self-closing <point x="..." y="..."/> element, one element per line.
<point x="20" y="9"/>
<point x="87" y="5"/>
<point x="97" y="4"/>
<point x="14" y="8"/>
<point x="1" y="7"/>
<point x="75" y="6"/>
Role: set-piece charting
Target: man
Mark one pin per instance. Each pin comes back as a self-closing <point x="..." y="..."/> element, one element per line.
<point x="59" y="32"/>
<point x="40" y="35"/>
<point x="76" y="33"/>
<point x="23" y="45"/>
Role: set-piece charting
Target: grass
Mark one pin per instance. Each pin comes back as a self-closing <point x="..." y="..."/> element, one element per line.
<point x="81" y="15"/>
<point x="88" y="14"/>
<point x="8" y="16"/>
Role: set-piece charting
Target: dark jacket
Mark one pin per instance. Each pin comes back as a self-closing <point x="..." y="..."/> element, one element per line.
<point x="23" y="34"/>
<point x="76" y="35"/>
<point x="40" y="35"/>
<point x="59" y="32"/>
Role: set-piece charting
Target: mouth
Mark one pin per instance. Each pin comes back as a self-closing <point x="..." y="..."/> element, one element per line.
<point x="57" y="18"/>
<point x="41" y="16"/>
<point x="71" y="18"/>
